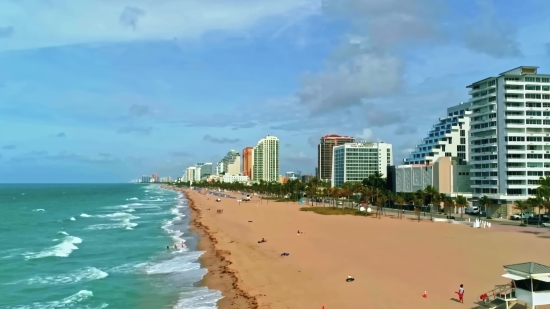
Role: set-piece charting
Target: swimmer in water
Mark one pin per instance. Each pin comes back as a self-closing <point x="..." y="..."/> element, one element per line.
<point x="167" y="247"/>
<point x="175" y="246"/>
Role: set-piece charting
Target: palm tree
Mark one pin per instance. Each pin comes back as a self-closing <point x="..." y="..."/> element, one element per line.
<point x="461" y="202"/>
<point x="418" y="202"/>
<point x="522" y="206"/>
<point x="448" y="202"/>
<point x="400" y="201"/>
<point x="430" y="193"/>
<point x="537" y="202"/>
<point x="484" y="201"/>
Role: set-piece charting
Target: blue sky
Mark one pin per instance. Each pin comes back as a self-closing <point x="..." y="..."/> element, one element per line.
<point x="106" y="91"/>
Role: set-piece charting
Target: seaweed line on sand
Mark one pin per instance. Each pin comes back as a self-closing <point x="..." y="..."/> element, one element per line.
<point x="221" y="255"/>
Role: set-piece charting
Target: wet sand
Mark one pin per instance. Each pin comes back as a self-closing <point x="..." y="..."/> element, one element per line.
<point x="393" y="260"/>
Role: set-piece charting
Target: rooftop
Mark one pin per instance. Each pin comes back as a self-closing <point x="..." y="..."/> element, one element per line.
<point x="336" y="136"/>
<point x="530" y="268"/>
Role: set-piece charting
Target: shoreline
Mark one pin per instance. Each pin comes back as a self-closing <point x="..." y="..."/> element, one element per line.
<point x="220" y="276"/>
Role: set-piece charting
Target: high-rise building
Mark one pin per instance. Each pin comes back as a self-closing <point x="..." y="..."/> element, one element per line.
<point x="266" y="159"/>
<point x="448" y="138"/>
<point x="232" y="163"/>
<point x="155" y="177"/>
<point x="145" y="179"/>
<point x="219" y="168"/>
<point x="509" y="135"/>
<point x="203" y="170"/>
<point x="324" y="154"/>
<point x="357" y="161"/>
<point x="190" y="174"/>
<point x="248" y="161"/>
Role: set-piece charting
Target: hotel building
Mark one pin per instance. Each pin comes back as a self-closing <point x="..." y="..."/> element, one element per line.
<point x="190" y="174"/>
<point x="441" y="159"/>
<point x="232" y="163"/>
<point x="448" y="138"/>
<point x="324" y="154"/>
<point x="357" y="161"/>
<point x="248" y="161"/>
<point x="203" y="170"/>
<point x="266" y="159"/>
<point x="510" y="135"/>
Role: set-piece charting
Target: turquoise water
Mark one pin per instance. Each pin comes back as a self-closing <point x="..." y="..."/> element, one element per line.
<point x="98" y="246"/>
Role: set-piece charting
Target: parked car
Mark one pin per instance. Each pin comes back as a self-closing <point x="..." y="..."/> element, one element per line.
<point x="536" y="219"/>
<point x="472" y="210"/>
<point x="545" y="224"/>
<point x="516" y="217"/>
<point x="340" y="203"/>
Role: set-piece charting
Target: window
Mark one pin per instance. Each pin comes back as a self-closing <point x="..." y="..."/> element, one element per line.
<point x="533" y="104"/>
<point x="532" y="113"/>
<point x="533" y="96"/>
<point x="533" y="121"/>
<point x="463" y="141"/>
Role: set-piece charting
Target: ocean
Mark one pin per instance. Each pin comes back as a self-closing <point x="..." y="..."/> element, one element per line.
<point x="98" y="246"/>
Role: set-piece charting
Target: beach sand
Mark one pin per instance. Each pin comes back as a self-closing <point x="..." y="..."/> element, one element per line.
<point x="392" y="260"/>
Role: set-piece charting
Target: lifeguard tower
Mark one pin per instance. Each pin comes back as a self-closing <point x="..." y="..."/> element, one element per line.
<point x="530" y="285"/>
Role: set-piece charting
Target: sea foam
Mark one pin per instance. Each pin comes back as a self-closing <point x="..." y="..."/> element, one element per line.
<point x="64" y="249"/>
<point x="67" y="302"/>
<point x="80" y="275"/>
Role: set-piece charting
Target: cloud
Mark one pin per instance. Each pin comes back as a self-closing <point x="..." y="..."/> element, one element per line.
<point x="180" y="154"/>
<point x="61" y="134"/>
<point x="43" y="23"/>
<point x="39" y="156"/>
<point x="6" y="32"/>
<point x="490" y="35"/>
<point x="9" y="147"/>
<point x="135" y="129"/>
<point x="381" y="118"/>
<point x="138" y="110"/>
<point x="244" y="125"/>
<point x="366" y="64"/>
<point x="298" y="161"/>
<point x="402" y="130"/>
<point x="365" y="135"/>
<point x="223" y="140"/>
<point x="130" y="16"/>
<point x="368" y="75"/>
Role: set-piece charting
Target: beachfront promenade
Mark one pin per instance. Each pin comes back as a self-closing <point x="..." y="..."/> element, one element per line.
<point x="393" y="261"/>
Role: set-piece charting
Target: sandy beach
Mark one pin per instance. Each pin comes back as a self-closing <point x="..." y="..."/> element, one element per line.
<point x="392" y="260"/>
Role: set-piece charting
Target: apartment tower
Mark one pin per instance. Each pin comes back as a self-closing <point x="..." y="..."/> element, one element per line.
<point x="324" y="154"/>
<point x="509" y="135"/>
<point x="266" y="159"/>
<point x="248" y="161"/>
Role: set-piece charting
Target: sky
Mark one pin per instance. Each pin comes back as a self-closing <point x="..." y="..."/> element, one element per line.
<point x="109" y="90"/>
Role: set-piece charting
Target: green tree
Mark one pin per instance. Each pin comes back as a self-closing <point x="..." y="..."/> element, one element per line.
<point x="461" y="202"/>
<point x="522" y="206"/>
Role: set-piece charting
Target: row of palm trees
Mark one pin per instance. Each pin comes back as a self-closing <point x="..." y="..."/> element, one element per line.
<point x="374" y="191"/>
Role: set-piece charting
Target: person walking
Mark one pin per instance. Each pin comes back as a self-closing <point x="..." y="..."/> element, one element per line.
<point x="460" y="293"/>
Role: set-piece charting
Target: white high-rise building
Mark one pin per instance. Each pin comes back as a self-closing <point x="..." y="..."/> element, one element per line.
<point x="357" y="161"/>
<point x="448" y="138"/>
<point x="266" y="159"/>
<point x="219" y="168"/>
<point x="509" y="135"/>
<point x="190" y="174"/>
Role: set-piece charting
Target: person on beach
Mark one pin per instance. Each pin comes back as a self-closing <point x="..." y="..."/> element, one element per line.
<point x="460" y="293"/>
